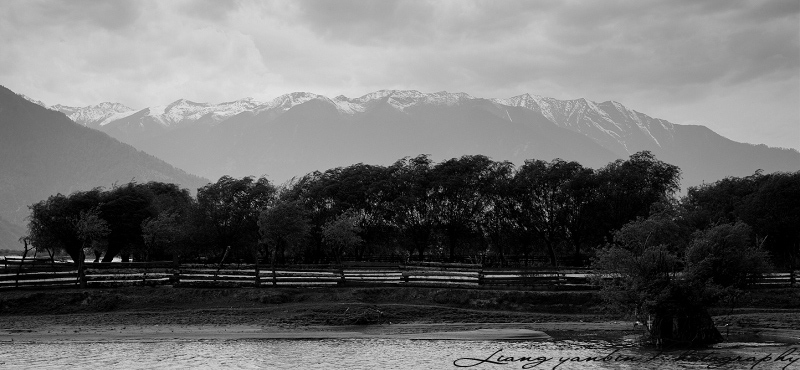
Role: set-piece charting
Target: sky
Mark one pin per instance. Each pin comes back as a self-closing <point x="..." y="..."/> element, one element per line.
<point x="733" y="66"/>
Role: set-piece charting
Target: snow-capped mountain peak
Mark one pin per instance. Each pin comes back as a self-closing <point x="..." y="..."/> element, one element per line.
<point x="183" y="111"/>
<point x="94" y="115"/>
<point x="288" y="101"/>
<point x="403" y="99"/>
<point x="34" y="101"/>
<point x="609" y="122"/>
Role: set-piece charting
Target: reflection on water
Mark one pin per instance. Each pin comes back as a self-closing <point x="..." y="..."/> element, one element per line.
<point x="375" y="354"/>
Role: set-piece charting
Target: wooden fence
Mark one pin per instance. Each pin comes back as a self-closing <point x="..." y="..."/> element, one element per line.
<point x="15" y="274"/>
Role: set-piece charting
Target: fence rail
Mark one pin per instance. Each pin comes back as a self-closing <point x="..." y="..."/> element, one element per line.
<point x="15" y="274"/>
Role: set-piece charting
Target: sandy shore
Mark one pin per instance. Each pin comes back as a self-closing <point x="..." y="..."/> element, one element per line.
<point x="186" y="332"/>
<point x="612" y="330"/>
<point x="213" y="314"/>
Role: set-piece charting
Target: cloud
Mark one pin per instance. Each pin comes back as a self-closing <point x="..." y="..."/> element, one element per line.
<point x="662" y="56"/>
<point x="209" y="10"/>
<point x="110" y="15"/>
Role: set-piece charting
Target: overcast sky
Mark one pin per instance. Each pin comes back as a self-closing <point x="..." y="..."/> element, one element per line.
<point x="733" y="66"/>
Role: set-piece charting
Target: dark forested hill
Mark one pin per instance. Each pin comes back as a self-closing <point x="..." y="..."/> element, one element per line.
<point x="42" y="152"/>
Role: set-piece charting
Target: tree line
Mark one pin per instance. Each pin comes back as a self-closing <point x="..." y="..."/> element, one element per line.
<point x="467" y="207"/>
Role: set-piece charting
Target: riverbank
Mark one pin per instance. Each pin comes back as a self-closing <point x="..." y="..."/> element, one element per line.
<point x="135" y="313"/>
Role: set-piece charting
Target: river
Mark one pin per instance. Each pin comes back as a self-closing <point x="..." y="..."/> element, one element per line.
<point x="404" y="354"/>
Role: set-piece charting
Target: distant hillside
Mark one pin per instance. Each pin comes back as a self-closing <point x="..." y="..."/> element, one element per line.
<point x="9" y="235"/>
<point x="42" y="152"/>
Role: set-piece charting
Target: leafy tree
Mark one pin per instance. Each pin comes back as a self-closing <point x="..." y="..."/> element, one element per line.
<point x="164" y="232"/>
<point x="719" y="202"/>
<point x="627" y="189"/>
<point x="229" y="210"/>
<point x="51" y="224"/>
<point x="283" y="227"/>
<point x="773" y="212"/>
<point x="460" y="195"/>
<point x="40" y="232"/>
<point x="341" y="235"/>
<point x="641" y="271"/>
<point x="369" y="192"/>
<point x="170" y="230"/>
<point x="90" y="228"/>
<point x="770" y="204"/>
<point x="725" y="255"/>
<point x="125" y="208"/>
<point x="545" y="200"/>
<point x="497" y="221"/>
<point x="580" y="219"/>
<point x="664" y="227"/>
<point x="360" y="189"/>
<point x="413" y="208"/>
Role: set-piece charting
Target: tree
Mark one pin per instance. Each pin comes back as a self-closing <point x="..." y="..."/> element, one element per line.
<point x="341" y="235"/>
<point x="497" y="221"/>
<point x="460" y="195"/>
<point x="664" y="227"/>
<point x="640" y="271"/>
<point x="362" y="190"/>
<point x="40" y="234"/>
<point x="283" y="226"/>
<point x="580" y="221"/>
<point x="51" y="224"/>
<point x="125" y="208"/>
<point x="163" y="232"/>
<point x="627" y="189"/>
<point x="769" y="204"/>
<point x="90" y="228"/>
<point x="546" y="200"/>
<point x="169" y="231"/>
<point x="725" y="255"/>
<point x="413" y="209"/>
<point x="26" y="245"/>
<point x="773" y="212"/>
<point x="229" y="210"/>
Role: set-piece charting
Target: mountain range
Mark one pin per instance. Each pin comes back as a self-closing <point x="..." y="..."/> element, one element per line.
<point x="43" y="152"/>
<point x="301" y="132"/>
<point x="62" y="148"/>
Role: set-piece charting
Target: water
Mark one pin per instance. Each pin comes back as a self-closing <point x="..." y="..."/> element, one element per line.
<point x="378" y="354"/>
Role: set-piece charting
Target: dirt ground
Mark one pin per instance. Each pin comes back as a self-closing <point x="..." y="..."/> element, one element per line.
<point x="192" y="313"/>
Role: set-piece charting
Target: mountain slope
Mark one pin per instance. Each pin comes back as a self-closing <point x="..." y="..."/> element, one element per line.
<point x="9" y="235"/>
<point x="42" y="152"/>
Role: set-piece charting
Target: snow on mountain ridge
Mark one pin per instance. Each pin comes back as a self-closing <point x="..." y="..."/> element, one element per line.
<point x="94" y="114"/>
<point x="182" y="111"/>
<point x="400" y="99"/>
<point x="609" y="122"/>
<point x="34" y="101"/>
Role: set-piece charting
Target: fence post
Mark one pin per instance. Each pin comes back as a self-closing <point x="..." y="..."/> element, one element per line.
<point x="82" y="276"/>
<point x="341" y="275"/>
<point x="176" y="268"/>
<point x="792" y="278"/>
<point x="81" y="270"/>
